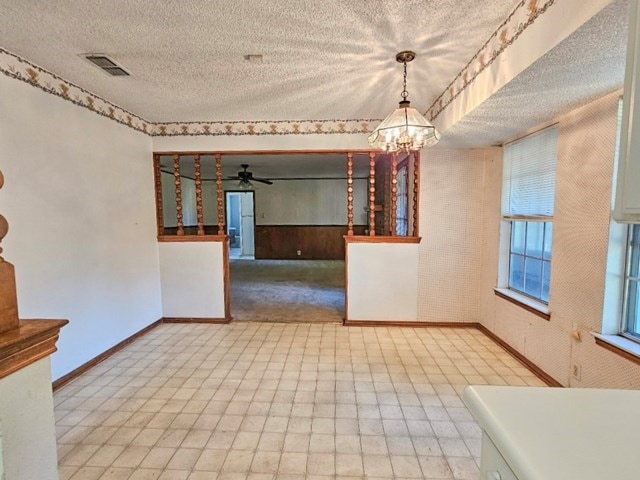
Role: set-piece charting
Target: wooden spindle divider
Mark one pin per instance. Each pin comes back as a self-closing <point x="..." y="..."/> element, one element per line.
<point x="157" y="176"/>
<point x="178" y="187"/>
<point x="349" y="193"/>
<point x="394" y="192"/>
<point x="220" y="194"/>
<point x="416" y="190"/>
<point x="372" y="194"/>
<point x="198" y="184"/>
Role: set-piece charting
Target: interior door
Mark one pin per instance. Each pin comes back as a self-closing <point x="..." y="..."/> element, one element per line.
<point x="247" y="220"/>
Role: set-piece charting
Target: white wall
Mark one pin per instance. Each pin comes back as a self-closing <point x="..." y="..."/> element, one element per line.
<point x="307" y="202"/>
<point x="382" y="281"/>
<point x="579" y="254"/>
<point x="192" y="277"/>
<point x="188" y="189"/>
<point x="27" y="424"/>
<point x="79" y="198"/>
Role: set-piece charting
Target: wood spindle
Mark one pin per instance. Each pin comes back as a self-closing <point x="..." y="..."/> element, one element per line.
<point x="416" y="191"/>
<point x="198" y="184"/>
<point x="349" y="193"/>
<point x="394" y="192"/>
<point x="219" y="194"/>
<point x="372" y="194"/>
<point x="178" y="185"/>
<point x="157" y="176"/>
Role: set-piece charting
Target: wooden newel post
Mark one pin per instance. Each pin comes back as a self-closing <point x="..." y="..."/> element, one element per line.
<point x="349" y="193"/>
<point x="198" y="185"/>
<point x="394" y="192"/>
<point x="372" y="194"/>
<point x="8" y="298"/>
<point x="220" y="194"/>
<point x="416" y="191"/>
<point x="157" y="175"/>
<point x="178" y="184"/>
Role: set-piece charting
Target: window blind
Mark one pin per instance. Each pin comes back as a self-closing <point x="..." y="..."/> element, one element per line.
<point x="529" y="175"/>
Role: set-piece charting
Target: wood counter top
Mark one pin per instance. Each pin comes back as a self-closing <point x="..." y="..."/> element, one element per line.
<point x="31" y="341"/>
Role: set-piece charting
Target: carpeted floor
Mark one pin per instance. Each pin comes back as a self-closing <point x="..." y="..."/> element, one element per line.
<point x="287" y="290"/>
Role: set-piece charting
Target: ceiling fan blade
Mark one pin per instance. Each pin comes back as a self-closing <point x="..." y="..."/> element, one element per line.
<point x="262" y="180"/>
<point x="233" y="177"/>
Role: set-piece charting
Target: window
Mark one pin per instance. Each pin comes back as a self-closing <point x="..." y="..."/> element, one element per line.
<point x="402" y="200"/>
<point x="529" y="178"/>
<point x="530" y="258"/>
<point x="631" y="315"/>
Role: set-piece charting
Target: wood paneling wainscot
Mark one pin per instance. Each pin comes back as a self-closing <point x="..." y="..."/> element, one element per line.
<point x="315" y="242"/>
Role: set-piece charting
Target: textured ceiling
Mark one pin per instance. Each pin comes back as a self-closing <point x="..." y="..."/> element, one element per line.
<point x="585" y="66"/>
<point x="323" y="59"/>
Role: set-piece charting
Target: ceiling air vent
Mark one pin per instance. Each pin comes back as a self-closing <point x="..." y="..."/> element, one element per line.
<point x="106" y="64"/>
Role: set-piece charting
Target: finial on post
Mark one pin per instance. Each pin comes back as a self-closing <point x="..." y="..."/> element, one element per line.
<point x="8" y="299"/>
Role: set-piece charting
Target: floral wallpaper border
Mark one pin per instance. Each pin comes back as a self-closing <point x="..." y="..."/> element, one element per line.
<point x="277" y="127"/>
<point x="522" y="16"/>
<point x="16" y="67"/>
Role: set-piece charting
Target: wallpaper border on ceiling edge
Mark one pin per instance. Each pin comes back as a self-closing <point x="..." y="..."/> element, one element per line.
<point x="264" y="127"/>
<point x="18" y="68"/>
<point x="508" y="32"/>
<point x="501" y="39"/>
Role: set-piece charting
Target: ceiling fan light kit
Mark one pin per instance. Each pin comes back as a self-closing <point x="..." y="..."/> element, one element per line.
<point x="245" y="177"/>
<point x="405" y="129"/>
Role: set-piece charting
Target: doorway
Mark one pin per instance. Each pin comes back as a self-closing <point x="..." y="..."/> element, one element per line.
<point x="240" y="224"/>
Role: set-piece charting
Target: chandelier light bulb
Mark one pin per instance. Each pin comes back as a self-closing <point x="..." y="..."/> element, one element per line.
<point x="405" y="129"/>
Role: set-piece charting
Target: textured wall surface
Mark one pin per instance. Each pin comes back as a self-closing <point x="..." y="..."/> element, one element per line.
<point x="80" y="203"/>
<point x="580" y="244"/>
<point x="451" y="224"/>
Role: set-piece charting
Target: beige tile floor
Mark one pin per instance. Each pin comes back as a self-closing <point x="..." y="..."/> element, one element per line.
<point x="281" y="401"/>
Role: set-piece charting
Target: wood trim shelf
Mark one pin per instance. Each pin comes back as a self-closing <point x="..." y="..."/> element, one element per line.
<point x="192" y="238"/>
<point x="119" y="346"/>
<point x="529" y="308"/>
<point x="541" y="374"/>
<point x="618" y="351"/>
<point x="265" y="152"/>
<point x="380" y="239"/>
<point x="76" y="372"/>
<point x="407" y="324"/>
<point x="30" y="342"/>
<point x="196" y="320"/>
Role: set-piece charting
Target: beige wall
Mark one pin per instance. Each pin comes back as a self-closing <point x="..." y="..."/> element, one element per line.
<point x="580" y="244"/>
<point x="449" y="262"/>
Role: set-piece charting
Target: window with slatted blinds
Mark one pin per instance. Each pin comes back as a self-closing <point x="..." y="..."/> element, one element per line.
<point x="528" y="190"/>
<point x="529" y="176"/>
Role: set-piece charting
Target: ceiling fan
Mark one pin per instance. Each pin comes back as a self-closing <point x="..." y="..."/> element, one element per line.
<point x="246" y="177"/>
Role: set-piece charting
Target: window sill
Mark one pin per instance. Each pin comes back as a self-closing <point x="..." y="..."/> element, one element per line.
<point x="529" y="304"/>
<point x="619" y="345"/>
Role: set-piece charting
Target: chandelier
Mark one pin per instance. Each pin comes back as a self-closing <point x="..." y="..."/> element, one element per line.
<point x="405" y="129"/>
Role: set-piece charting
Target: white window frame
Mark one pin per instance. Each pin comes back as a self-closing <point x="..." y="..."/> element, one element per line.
<point x="628" y="280"/>
<point x="503" y="284"/>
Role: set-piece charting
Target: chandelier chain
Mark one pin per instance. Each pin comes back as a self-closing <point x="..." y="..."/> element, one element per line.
<point x="404" y="93"/>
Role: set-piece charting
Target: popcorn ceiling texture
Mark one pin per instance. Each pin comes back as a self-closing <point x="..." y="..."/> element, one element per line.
<point x="590" y="61"/>
<point x="580" y="243"/>
<point x="322" y="60"/>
